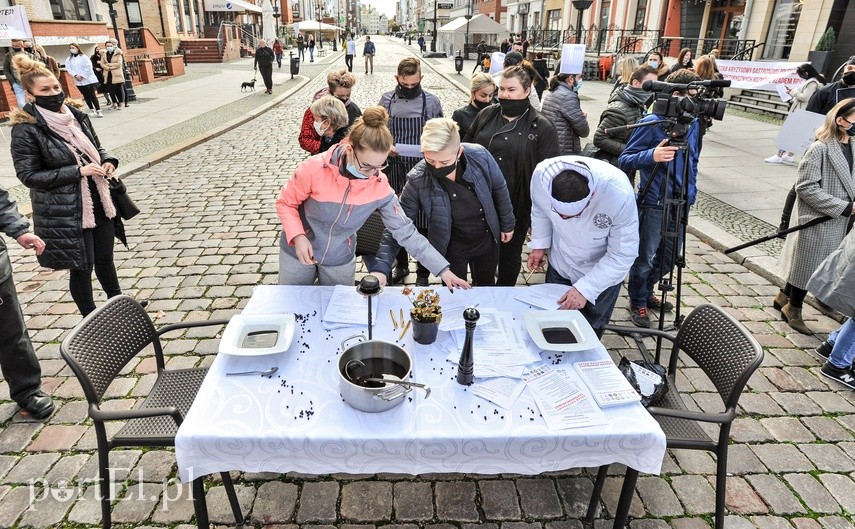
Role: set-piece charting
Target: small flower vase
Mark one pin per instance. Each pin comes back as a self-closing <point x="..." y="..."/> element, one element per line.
<point x="425" y="332"/>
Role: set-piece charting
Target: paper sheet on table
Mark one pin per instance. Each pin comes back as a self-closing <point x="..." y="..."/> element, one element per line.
<point x="607" y="384"/>
<point x="493" y="345"/>
<point x="453" y="305"/>
<point x="347" y="308"/>
<point x="543" y="296"/>
<point x="560" y="401"/>
<point x="408" y="149"/>
<point x="501" y="391"/>
<point x="782" y="92"/>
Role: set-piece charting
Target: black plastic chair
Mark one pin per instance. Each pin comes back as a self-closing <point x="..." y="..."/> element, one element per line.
<point x="729" y="355"/>
<point x="97" y="350"/>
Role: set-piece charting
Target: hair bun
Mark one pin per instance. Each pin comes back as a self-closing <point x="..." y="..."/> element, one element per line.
<point x="24" y="64"/>
<point x="375" y="117"/>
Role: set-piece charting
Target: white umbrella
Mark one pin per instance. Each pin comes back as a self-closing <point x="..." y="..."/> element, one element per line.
<point x="267" y="30"/>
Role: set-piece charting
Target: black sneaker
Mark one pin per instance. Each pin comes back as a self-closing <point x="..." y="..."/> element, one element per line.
<point x="639" y="317"/>
<point x="844" y="376"/>
<point x="655" y="303"/>
<point x="823" y="350"/>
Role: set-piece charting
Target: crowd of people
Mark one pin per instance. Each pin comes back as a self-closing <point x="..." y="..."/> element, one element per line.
<point x="461" y="194"/>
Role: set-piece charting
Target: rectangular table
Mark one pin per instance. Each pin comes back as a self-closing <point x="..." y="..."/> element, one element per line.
<point x="297" y="421"/>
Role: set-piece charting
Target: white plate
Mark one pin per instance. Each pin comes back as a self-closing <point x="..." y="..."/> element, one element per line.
<point x="573" y="320"/>
<point x="241" y="325"/>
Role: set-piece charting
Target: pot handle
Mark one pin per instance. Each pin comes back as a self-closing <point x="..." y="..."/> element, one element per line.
<point x="355" y="339"/>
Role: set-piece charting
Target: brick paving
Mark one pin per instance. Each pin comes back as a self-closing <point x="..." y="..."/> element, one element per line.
<point x="208" y="233"/>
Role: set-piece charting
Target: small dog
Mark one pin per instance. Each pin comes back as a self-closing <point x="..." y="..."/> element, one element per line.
<point x="250" y="85"/>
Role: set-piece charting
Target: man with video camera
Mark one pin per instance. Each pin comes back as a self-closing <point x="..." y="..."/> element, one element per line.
<point x="651" y="151"/>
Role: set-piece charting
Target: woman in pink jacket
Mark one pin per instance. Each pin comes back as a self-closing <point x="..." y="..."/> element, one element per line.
<point x="331" y="195"/>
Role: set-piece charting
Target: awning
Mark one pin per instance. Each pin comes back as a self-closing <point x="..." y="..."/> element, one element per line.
<point x="234" y="6"/>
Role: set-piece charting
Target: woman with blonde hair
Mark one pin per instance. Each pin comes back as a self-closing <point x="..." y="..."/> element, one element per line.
<point x="57" y="155"/>
<point x="331" y="195"/>
<point x="825" y="187"/>
<point x="459" y="188"/>
<point x="330" y="121"/>
<point x="481" y="90"/>
<point x="627" y="66"/>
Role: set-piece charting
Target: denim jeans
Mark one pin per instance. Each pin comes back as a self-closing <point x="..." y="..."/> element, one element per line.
<point x="20" y="96"/>
<point x="844" y="346"/>
<point x="598" y="313"/>
<point x="645" y="271"/>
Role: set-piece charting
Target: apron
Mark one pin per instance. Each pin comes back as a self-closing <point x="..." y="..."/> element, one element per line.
<point x="407" y="131"/>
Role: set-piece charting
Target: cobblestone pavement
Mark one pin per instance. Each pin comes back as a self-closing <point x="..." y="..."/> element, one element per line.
<point x="208" y="234"/>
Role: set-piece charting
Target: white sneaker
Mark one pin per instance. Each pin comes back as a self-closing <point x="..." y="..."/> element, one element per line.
<point x="92" y="112"/>
<point x="774" y="159"/>
<point x="789" y="160"/>
<point x="99" y="114"/>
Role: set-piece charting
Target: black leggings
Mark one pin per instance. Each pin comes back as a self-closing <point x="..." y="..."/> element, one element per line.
<point x="117" y="93"/>
<point x="796" y="295"/>
<point x="98" y="242"/>
<point x="89" y="95"/>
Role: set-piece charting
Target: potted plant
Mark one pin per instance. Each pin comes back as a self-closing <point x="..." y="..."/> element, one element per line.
<point x="425" y="314"/>
<point x="821" y="56"/>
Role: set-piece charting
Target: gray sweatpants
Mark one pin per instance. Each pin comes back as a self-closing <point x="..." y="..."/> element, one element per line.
<point x="293" y="272"/>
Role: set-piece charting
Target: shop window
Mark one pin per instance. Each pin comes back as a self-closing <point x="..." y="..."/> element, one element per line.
<point x="640" y="15"/>
<point x="179" y="23"/>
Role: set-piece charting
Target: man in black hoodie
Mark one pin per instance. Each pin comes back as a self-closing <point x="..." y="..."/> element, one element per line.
<point x="18" y="361"/>
<point x="826" y="97"/>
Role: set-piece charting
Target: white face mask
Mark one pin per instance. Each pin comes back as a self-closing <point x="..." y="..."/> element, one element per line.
<point x="319" y="128"/>
<point x="109" y="49"/>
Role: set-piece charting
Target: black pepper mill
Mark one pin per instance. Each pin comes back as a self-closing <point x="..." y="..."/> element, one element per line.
<point x="466" y="365"/>
<point x="369" y="286"/>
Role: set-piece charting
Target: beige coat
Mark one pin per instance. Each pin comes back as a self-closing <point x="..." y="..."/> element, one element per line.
<point x="113" y="66"/>
<point x="825" y="187"/>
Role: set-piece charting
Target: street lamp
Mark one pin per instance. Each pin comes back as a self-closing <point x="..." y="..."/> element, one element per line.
<point x="129" y="86"/>
<point x="276" y="16"/>
<point x="319" y="13"/>
<point x="580" y="6"/>
<point x="466" y="38"/>
<point x="433" y="40"/>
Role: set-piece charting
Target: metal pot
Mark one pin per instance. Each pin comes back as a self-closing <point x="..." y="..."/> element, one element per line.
<point x="363" y="363"/>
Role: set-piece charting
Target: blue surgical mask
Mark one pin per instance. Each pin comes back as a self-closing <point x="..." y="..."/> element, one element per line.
<point x="653" y="64"/>
<point x="578" y="84"/>
<point x="354" y="172"/>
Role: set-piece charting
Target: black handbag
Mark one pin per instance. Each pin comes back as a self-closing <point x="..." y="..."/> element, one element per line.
<point x="369" y="235"/>
<point x="123" y="202"/>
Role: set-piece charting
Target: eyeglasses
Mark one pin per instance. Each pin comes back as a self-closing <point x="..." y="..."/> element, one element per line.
<point x="365" y="167"/>
<point x="576" y="216"/>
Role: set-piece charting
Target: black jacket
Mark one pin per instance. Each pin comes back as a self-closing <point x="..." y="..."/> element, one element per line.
<point x="464" y="117"/>
<point x="264" y="57"/>
<point x="517" y="150"/>
<point x="47" y="166"/>
<point x="423" y="193"/>
<point x="824" y="99"/>
<point x="13" y="225"/>
<point x="623" y="110"/>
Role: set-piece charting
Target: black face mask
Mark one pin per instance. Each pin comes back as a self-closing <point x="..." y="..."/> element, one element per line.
<point x="441" y="172"/>
<point x="480" y="105"/>
<point x="53" y="103"/>
<point x="408" y="93"/>
<point x="849" y="78"/>
<point x="513" y="108"/>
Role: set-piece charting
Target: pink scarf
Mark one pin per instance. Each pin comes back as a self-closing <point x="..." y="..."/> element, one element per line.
<point x="65" y="125"/>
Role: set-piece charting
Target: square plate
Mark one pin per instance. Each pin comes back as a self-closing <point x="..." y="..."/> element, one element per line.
<point x="245" y="329"/>
<point x="558" y="323"/>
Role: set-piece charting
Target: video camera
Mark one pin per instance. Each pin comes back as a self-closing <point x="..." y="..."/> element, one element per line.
<point x="685" y="108"/>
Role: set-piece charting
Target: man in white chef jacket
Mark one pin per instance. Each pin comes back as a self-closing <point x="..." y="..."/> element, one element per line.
<point x="584" y="217"/>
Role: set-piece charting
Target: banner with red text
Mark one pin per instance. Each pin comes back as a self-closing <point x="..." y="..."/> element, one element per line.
<point x="760" y="75"/>
<point x="14" y="23"/>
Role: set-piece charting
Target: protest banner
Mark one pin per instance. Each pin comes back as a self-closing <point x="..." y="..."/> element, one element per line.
<point x="14" y="23"/>
<point x="799" y="131"/>
<point x="760" y="75"/>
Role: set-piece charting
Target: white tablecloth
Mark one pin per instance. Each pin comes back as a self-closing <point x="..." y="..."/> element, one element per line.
<point x="297" y="421"/>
